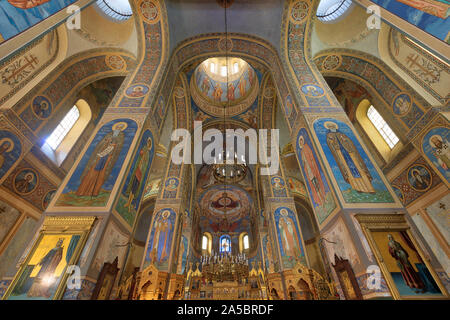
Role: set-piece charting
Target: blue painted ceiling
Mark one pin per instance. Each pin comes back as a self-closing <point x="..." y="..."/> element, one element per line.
<point x="189" y="18"/>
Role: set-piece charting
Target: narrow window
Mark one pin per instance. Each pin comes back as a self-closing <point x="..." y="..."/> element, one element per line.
<point x="205" y="243"/>
<point x="223" y="71"/>
<point x="383" y="128"/>
<point x="235" y="67"/>
<point x="63" y="128"/>
<point x="225" y="244"/>
<point x="246" y="243"/>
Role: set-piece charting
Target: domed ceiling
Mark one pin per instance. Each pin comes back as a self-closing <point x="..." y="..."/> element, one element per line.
<point x="225" y="202"/>
<point x="224" y="86"/>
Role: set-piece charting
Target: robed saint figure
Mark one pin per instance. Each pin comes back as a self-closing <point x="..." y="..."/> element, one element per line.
<point x="26" y="4"/>
<point x="101" y="162"/>
<point x="348" y="159"/>
<point x="411" y="277"/>
<point x="161" y="239"/>
<point x="138" y="174"/>
<point x="312" y="172"/>
<point x="289" y="237"/>
<point x="42" y="282"/>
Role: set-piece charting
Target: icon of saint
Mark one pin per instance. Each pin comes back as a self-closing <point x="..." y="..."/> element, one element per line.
<point x="312" y="172"/>
<point x="101" y="162"/>
<point x="138" y="174"/>
<point x="350" y="163"/>
<point x="43" y="280"/>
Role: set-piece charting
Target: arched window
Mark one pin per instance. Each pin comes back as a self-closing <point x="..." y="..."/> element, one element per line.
<point x="383" y="128"/>
<point x="61" y="140"/>
<point x="116" y="9"/>
<point x="225" y="244"/>
<point x="377" y="130"/>
<point x="246" y="242"/>
<point x="206" y="243"/>
<point x="63" y="128"/>
<point x="331" y="10"/>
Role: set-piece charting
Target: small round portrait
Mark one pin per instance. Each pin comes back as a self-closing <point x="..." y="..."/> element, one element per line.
<point x="277" y="183"/>
<point x="171" y="184"/>
<point x="25" y="181"/>
<point x="136" y="91"/>
<point x="402" y="104"/>
<point x="47" y="198"/>
<point x="41" y="107"/>
<point x="312" y="90"/>
<point x="419" y="178"/>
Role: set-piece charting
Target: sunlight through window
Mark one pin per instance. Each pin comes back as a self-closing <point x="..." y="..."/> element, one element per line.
<point x="63" y="128"/>
<point x="383" y="128"/>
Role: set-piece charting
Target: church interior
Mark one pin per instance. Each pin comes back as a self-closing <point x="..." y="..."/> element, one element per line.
<point x="347" y="99"/>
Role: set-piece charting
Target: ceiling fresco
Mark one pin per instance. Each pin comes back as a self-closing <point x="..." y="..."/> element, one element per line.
<point x="211" y="93"/>
<point x="245" y="86"/>
<point x="225" y="208"/>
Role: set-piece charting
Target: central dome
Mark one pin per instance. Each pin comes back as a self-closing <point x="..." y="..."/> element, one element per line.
<point x="224" y="86"/>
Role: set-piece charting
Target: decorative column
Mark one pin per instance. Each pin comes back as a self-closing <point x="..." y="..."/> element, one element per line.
<point x="108" y="178"/>
<point x="165" y="235"/>
<point x="341" y="176"/>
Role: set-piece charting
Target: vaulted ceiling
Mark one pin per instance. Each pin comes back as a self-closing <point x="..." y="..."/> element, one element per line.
<point x="188" y="18"/>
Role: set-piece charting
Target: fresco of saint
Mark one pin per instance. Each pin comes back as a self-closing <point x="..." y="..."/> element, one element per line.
<point x="242" y="86"/>
<point x="348" y="159"/>
<point x="138" y="175"/>
<point x="441" y="151"/>
<point x="312" y="172"/>
<point x="102" y="161"/>
<point x="289" y="236"/>
<point x="162" y="237"/>
<point x="230" y="92"/>
<point x="6" y="145"/>
<point x="26" y="4"/>
<point x="217" y="92"/>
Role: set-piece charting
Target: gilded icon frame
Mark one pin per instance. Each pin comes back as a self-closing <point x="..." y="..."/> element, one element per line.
<point x="62" y="226"/>
<point x="371" y="223"/>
